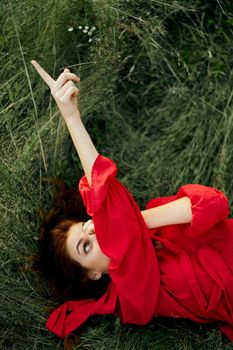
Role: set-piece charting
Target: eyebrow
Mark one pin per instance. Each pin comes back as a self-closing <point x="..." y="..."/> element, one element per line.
<point x="77" y="246"/>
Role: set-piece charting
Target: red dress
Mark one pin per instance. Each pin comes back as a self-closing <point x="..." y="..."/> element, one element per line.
<point x="191" y="276"/>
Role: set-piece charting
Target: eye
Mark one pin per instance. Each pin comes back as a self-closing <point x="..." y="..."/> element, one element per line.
<point x="86" y="247"/>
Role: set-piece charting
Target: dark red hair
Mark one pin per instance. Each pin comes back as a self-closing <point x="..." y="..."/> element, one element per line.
<point x="66" y="278"/>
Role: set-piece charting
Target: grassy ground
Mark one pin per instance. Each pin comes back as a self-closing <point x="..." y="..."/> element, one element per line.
<point x="156" y="96"/>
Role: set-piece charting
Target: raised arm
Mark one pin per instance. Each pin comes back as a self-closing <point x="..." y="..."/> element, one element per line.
<point x="65" y="94"/>
<point x="83" y="144"/>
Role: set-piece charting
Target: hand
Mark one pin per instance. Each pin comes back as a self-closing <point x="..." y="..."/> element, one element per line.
<point x="63" y="90"/>
<point x="89" y="227"/>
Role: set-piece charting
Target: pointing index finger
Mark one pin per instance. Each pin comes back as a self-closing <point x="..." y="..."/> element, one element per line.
<point x="44" y="75"/>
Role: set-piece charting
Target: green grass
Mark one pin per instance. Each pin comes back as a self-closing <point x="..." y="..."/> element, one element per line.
<point x="155" y="95"/>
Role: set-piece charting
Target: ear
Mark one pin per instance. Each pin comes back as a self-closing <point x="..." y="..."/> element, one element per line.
<point x="94" y="275"/>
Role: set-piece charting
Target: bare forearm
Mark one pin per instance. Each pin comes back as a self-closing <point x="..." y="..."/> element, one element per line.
<point x="65" y="94"/>
<point x="176" y="212"/>
<point x="83" y="144"/>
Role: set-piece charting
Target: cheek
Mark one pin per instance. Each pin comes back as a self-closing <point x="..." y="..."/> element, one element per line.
<point x="103" y="259"/>
<point x="97" y="253"/>
<point x="97" y="248"/>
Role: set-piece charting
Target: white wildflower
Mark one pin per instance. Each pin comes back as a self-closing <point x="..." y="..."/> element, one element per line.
<point x="93" y="28"/>
<point x="86" y="27"/>
<point x="84" y="31"/>
<point x="80" y="27"/>
<point x="89" y="33"/>
<point x="70" y="29"/>
<point x="90" y="40"/>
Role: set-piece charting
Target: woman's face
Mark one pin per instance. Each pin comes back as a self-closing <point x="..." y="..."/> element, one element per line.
<point x="84" y="248"/>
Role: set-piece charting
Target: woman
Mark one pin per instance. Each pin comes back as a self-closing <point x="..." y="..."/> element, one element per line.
<point x="189" y="275"/>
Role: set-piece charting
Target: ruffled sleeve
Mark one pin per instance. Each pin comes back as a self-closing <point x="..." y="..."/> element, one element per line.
<point x="72" y="314"/>
<point x="103" y="170"/>
<point x="209" y="206"/>
<point x="123" y="237"/>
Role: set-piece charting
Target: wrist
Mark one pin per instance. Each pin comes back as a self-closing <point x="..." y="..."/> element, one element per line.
<point x="72" y="117"/>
